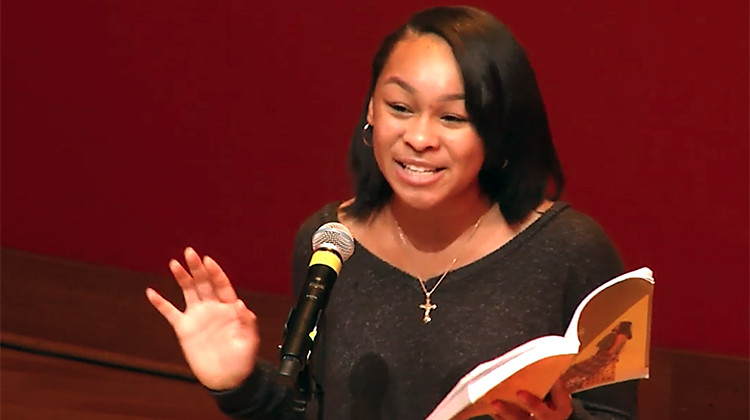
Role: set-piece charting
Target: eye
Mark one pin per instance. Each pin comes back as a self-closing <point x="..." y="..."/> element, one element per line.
<point x="454" y="119"/>
<point x="398" y="108"/>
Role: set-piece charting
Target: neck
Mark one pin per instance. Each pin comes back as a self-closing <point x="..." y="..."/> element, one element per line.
<point x="435" y="229"/>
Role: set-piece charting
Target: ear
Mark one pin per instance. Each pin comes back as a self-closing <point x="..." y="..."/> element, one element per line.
<point x="369" y="112"/>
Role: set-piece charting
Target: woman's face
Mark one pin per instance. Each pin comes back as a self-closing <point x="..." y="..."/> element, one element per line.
<point x="423" y="141"/>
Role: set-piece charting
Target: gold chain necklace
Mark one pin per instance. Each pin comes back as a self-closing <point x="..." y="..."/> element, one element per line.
<point x="428" y="306"/>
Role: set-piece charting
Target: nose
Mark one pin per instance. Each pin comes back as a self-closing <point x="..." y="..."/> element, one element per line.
<point x="420" y="135"/>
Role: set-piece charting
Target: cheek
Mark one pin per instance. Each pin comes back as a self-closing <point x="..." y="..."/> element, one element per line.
<point x="386" y="128"/>
<point x="470" y="151"/>
<point x="380" y="151"/>
<point x="478" y="157"/>
<point x="384" y="136"/>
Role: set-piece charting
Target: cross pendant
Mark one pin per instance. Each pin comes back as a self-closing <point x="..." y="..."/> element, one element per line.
<point x="428" y="306"/>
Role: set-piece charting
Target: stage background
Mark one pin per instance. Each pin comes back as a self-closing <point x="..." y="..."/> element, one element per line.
<point x="131" y="129"/>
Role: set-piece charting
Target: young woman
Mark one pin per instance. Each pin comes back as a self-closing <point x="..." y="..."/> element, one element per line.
<point x="462" y="253"/>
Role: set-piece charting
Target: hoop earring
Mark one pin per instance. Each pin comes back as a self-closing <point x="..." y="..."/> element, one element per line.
<point x="366" y="127"/>
<point x="505" y="164"/>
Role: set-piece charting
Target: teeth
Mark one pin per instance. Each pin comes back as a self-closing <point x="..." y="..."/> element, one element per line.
<point x="418" y="170"/>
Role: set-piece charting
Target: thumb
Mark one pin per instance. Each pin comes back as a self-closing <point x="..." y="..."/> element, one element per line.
<point x="246" y="316"/>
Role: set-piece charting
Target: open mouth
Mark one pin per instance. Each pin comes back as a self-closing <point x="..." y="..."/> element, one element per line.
<point x="419" y="169"/>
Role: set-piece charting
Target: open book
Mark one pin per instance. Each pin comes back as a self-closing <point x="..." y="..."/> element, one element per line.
<point x="607" y="341"/>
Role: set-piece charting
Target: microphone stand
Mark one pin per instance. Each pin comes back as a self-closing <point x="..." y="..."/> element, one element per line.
<point x="332" y="244"/>
<point x="294" y="372"/>
<point x="297" y="348"/>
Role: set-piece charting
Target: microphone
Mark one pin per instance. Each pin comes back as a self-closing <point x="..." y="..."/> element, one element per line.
<point x="332" y="244"/>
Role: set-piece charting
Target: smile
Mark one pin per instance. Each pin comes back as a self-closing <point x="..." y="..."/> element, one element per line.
<point x="419" y="169"/>
<point x="417" y="174"/>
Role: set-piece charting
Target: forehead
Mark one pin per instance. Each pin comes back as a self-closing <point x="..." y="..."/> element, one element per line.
<point x="425" y="62"/>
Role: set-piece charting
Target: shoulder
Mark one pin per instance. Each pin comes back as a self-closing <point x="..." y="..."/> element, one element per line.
<point x="327" y="213"/>
<point x="582" y="245"/>
<point x="574" y="232"/>
<point x="586" y="256"/>
<point x="590" y="255"/>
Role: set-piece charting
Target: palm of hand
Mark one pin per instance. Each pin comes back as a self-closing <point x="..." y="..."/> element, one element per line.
<point x="219" y="348"/>
<point x="217" y="333"/>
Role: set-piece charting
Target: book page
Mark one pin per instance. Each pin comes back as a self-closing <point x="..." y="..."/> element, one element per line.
<point x="533" y="366"/>
<point x="615" y="332"/>
<point x="606" y="303"/>
<point x="523" y="369"/>
<point x="536" y="378"/>
<point x="508" y="363"/>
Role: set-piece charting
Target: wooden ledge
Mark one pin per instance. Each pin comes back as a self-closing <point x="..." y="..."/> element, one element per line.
<point x="101" y="314"/>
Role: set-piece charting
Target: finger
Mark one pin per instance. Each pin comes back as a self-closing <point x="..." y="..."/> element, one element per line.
<point x="560" y="397"/>
<point x="510" y="411"/>
<point x="185" y="281"/>
<point x="535" y="406"/>
<point x="246" y="316"/>
<point x="498" y="407"/>
<point x="200" y="277"/>
<point x="165" y="307"/>
<point x="222" y="286"/>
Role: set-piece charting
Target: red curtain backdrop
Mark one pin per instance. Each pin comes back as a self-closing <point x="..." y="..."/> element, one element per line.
<point x="132" y="129"/>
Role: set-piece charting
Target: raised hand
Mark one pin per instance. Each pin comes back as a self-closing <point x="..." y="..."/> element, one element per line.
<point x="217" y="333"/>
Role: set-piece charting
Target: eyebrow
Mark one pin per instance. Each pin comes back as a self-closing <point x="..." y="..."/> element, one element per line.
<point x="409" y="88"/>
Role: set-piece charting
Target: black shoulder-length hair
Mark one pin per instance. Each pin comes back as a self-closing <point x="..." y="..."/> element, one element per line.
<point x="503" y="102"/>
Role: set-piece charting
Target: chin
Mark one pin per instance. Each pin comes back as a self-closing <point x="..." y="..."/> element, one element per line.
<point x="418" y="201"/>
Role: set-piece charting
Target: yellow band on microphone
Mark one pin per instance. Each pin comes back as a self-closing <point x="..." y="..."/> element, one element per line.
<point x="326" y="258"/>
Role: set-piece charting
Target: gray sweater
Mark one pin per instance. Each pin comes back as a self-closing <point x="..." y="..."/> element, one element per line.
<point x="375" y="358"/>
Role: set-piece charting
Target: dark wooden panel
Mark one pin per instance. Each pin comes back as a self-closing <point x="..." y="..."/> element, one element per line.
<point x="693" y="386"/>
<point x="105" y="309"/>
<point x="82" y="342"/>
<point x="653" y="393"/>
<point x="36" y="387"/>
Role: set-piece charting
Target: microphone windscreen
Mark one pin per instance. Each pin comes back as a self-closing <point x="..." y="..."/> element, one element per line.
<point x="334" y="237"/>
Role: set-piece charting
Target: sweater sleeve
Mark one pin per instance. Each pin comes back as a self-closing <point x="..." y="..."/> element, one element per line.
<point x="259" y="397"/>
